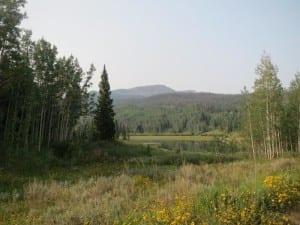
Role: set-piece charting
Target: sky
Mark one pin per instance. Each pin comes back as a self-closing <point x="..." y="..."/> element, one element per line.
<point x="201" y="45"/>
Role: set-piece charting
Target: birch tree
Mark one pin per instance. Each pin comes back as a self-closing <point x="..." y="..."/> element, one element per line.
<point x="266" y="109"/>
<point x="291" y="120"/>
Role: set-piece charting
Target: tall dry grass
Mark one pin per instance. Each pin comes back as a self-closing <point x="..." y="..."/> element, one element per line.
<point x="103" y="200"/>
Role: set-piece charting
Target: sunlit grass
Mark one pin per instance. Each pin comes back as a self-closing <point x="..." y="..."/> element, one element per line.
<point x="230" y="193"/>
<point x="153" y="138"/>
<point x="205" y="137"/>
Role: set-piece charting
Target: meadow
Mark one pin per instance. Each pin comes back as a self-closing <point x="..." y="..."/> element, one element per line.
<point x="129" y="183"/>
<point x="154" y="138"/>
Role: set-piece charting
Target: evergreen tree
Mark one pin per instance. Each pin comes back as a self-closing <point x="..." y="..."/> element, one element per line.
<point x="104" y="118"/>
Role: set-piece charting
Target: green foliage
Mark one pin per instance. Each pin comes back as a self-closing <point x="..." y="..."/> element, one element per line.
<point x="104" y="118"/>
<point x="177" y="117"/>
<point x="11" y="16"/>
<point x="270" y="119"/>
<point x="41" y="95"/>
<point x="204" y="146"/>
<point x="266" y="107"/>
<point x="15" y="74"/>
<point x="265" y="206"/>
<point x="291" y="117"/>
<point x="140" y="192"/>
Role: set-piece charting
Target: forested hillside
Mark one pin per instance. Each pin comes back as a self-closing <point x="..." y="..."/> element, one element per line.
<point x="178" y="112"/>
<point x="143" y="91"/>
<point x="130" y="95"/>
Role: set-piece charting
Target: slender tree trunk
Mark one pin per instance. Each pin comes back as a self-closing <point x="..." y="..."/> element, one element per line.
<point x="265" y="144"/>
<point x="41" y="127"/>
<point x="21" y="125"/>
<point x="61" y="129"/>
<point x="13" y="124"/>
<point x="268" y="138"/>
<point x="66" y="130"/>
<point x="6" y="131"/>
<point x="281" y="147"/>
<point x="28" y="121"/>
<point x="36" y="128"/>
<point x="251" y="133"/>
<point x="32" y="130"/>
<point x="272" y="135"/>
<point x="50" y="125"/>
<point x="299" y="128"/>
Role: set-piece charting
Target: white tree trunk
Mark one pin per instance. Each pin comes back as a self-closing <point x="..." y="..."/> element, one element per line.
<point x="299" y="130"/>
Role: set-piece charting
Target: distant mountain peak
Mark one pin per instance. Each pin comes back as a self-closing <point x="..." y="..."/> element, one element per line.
<point x="144" y="91"/>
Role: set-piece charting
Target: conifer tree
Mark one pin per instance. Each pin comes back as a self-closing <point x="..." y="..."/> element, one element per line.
<point x="104" y="118"/>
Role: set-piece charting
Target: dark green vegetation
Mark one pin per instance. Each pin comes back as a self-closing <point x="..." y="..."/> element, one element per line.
<point x="157" y="109"/>
<point x="104" y="116"/>
<point x="214" y="142"/>
<point x="189" y="113"/>
<point x="41" y="95"/>
<point x="44" y="100"/>
<point x="97" y="159"/>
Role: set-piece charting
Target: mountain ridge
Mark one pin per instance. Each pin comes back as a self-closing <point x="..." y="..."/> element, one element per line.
<point x="160" y="94"/>
<point x="144" y="91"/>
<point x="175" y="111"/>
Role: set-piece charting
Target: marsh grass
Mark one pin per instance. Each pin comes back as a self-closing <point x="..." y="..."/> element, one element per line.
<point x="134" y="184"/>
<point x="191" y="194"/>
<point x="156" y="138"/>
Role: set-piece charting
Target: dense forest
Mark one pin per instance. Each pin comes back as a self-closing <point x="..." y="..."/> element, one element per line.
<point x="189" y="113"/>
<point x="42" y="95"/>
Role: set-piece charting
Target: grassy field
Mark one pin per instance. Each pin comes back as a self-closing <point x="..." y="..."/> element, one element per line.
<point x="134" y="184"/>
<point x="158" y="138"/>
<point x="209" y="136"/>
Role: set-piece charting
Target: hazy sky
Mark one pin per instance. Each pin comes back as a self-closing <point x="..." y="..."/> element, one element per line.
<point x="186" y="44"/>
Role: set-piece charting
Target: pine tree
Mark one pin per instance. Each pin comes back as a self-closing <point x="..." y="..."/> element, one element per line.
<point x="104" y="118"/>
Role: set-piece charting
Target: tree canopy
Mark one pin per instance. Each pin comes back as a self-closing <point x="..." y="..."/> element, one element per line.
<point x="42" y="95"/>
<point x="270" y="116"/>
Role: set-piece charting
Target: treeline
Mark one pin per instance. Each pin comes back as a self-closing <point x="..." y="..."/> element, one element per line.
<point x="42" y="95"/>
<point x="191" y="118"/>
<point x="270" y="116"/>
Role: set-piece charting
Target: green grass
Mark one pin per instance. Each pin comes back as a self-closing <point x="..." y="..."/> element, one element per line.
<point x="154" y="138"/>
<point x="120" y="183"/>
<point x="101" y="159"/>
<point x="203" y="194"/>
